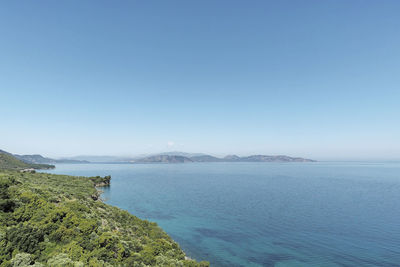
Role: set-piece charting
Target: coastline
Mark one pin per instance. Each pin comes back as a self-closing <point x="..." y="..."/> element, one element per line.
<point x="49" y="218"/>
<point x="99" y="197"/>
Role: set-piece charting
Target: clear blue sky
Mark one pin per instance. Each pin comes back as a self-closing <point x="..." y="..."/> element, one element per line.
<point x="318" y="79"/>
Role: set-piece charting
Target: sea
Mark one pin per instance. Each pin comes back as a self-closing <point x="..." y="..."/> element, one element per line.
<point x="265" y="214"/>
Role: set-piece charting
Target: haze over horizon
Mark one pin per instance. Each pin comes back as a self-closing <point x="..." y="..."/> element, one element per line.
<point x="313" y="79"/>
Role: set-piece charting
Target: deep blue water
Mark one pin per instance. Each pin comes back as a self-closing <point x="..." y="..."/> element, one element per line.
<point x="265" y="214"/>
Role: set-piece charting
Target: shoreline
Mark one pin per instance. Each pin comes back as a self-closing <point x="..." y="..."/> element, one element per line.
<point x="64" y="212"/>
<point x="99" y="197"/>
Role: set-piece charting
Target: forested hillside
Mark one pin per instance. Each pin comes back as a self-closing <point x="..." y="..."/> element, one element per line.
<point x="8" y="161"/>
<point x="56" y="220"/>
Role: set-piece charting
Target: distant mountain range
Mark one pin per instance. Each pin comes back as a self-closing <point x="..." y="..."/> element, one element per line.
<point x="179" y="153"/>
<point x="9" y="161"/>
<point x="166" y="158"/>
<point x="99" y="159"/>
<point x="39" y="159"/>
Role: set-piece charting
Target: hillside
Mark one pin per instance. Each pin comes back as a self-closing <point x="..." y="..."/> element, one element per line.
<point x="8" y="161"/>
<point x="39" y="159"/>
<point x="56" y="220"/>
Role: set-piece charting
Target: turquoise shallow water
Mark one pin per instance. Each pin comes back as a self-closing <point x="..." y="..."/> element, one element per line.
<point x="265" y="214"/>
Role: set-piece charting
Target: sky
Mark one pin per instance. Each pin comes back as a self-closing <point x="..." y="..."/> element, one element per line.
<point x="317" y="79"/>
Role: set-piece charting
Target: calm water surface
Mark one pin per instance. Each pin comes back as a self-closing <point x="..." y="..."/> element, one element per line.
<point x="265" y="214"/>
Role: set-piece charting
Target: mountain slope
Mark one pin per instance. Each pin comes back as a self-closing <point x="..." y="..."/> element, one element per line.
<point x="8" y="161"/>
<point x="39" y="159"/>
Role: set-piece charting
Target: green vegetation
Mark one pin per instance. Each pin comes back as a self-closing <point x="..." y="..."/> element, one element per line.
<point x="54" y="220"/>
<point x="8" y="161"/>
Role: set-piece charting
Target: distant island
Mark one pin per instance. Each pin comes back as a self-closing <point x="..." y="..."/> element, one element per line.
<point x="164" y="159"/>
<point x="171" y="158"/>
